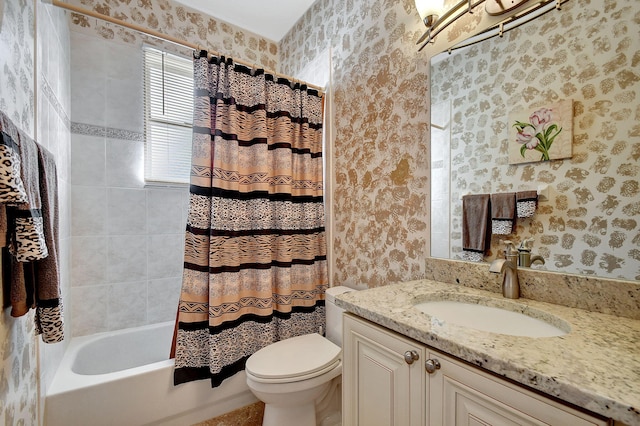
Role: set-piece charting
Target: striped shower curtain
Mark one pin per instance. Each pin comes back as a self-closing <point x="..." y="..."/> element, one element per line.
<point x="255" y="252"/>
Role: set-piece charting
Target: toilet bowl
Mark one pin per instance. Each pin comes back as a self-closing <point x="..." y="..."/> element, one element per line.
<point x="294" y="377"/>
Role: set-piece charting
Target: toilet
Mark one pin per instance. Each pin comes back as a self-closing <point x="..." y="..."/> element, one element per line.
<point x="299" y="379"/>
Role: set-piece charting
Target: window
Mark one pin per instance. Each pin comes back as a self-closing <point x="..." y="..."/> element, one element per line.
<point x="168" y="116"/>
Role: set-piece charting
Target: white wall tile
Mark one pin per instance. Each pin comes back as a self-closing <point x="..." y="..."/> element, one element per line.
<point x="64" y="208"/>
<point x="88" y="160"/>
<point x="127" y="305"/>
<point x="90" y="309"/>
<point x="125" y="164"/>
<point x="165" y="210"/>
<point x="124" y="103"/>
<point x="162" y="299"/>
<point x="88" y="91"/>
<point x="127" y="258"/>
<point x="88" y="261"/>
<point x="126" y="211"/>
<point x="89" y="216"/>
<point x="165" y="255"/>
<point x="125" y="61"/>
<point x="123" y="233"/>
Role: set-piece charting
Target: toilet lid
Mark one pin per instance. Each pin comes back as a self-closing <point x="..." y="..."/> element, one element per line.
<point x="294" y="357"/>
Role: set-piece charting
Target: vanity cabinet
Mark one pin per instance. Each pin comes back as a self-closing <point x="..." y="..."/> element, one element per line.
<point x="385" y="382"/>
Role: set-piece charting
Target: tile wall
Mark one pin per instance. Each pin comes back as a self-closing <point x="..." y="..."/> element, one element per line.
<point x="127" y="239"/>
<point x="54" y="133"/>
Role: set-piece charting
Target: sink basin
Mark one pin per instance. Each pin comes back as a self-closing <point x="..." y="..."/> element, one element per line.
<point x="500" y="320"/>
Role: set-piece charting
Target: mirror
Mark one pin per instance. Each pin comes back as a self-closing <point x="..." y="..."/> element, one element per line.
<point x="587" y="53"/>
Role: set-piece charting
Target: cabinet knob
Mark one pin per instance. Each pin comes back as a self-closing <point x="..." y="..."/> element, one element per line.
<point x="411" y="356"/>
<point x="431" y="365"/>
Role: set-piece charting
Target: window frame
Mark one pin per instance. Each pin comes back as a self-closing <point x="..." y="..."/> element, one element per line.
<point x="165" y="76"/>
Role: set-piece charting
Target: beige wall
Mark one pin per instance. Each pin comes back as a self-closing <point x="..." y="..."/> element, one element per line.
<point x="379" y="123"/>
<point x="381" y="110"/>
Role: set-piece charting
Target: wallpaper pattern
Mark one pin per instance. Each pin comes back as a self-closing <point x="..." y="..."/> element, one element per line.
<point x="381" y="187"/>
<point x="589" y="53"/>
<point x="16" y="63"/>
<point x="18" y="359"/>
<point x="170" y="18"/>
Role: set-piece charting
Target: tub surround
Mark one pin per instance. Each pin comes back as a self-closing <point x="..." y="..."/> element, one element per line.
<point x="595" y="366"/>
<point x="107" y="393"/>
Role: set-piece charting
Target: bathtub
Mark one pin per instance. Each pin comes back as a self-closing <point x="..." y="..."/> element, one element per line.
<point x="126" y="378"/>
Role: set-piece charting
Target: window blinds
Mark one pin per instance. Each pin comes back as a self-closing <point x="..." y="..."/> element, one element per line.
<point x="168" y="105"/>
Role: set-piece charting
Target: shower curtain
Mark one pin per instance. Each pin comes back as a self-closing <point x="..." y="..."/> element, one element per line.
<point x="255" y="252"/>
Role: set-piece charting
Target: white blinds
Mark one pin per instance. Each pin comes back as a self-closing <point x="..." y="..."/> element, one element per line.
<point x="168" y="105"/>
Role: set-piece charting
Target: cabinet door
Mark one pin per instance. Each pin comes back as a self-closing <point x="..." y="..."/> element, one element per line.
<point x="379" y="387"/>
<point x="464" y="395"/>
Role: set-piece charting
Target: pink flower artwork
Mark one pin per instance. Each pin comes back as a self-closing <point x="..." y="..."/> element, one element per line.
<point x="543" y="134"/>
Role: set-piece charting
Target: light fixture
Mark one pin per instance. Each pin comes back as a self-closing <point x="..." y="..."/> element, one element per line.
<point x="500" y="15"/>
<point x="429" y="10"/>
<point x="499" y="7"/>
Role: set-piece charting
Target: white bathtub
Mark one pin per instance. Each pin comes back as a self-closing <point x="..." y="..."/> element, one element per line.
<point x="126" y="378"/>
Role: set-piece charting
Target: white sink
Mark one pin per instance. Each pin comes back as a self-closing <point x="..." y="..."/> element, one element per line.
<point x="500" y="320"/>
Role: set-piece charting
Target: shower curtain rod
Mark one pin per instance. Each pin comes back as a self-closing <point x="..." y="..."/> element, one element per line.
<point x="169" y="38"/>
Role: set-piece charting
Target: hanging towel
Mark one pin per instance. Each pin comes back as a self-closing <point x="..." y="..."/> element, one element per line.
<point x="4" y="225"/>
<point x="27" y="242"/>
<point x="503" y="213"/>
<point x="475" y="226"/>
<point x="49" y="315"/>
<point x="22" y="289"/>
<point x="11" y="187"/>
<point x="526" y="203"/>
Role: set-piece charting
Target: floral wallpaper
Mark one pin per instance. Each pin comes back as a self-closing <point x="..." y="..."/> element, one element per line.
<point x="380" y="150"/>
<point x="18" y="359"/>
<point x="588" y="53"/>
<point x="171" y="18"/>
<point x="18" y="371"/>
<point x="16" y="62"/>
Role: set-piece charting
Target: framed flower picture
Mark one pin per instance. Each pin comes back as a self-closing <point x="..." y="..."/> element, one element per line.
<point x="541" y="134"/>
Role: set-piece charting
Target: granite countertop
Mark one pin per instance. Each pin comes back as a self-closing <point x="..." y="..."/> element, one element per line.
<point x="595" y="366"/>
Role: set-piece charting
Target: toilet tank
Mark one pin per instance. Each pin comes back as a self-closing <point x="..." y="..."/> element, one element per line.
<point x="334" y="314"/>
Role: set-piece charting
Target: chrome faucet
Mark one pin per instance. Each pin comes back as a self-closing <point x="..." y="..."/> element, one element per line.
<point x="509" y="267"/>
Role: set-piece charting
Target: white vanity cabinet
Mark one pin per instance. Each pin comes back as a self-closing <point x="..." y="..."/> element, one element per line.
<point x="383" y="380"/>
<point x="385" y="383"/>
<point x="464" y="395"/>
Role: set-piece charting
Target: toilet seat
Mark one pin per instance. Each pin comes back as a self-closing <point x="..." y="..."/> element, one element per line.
<point x="294" y="359"/>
